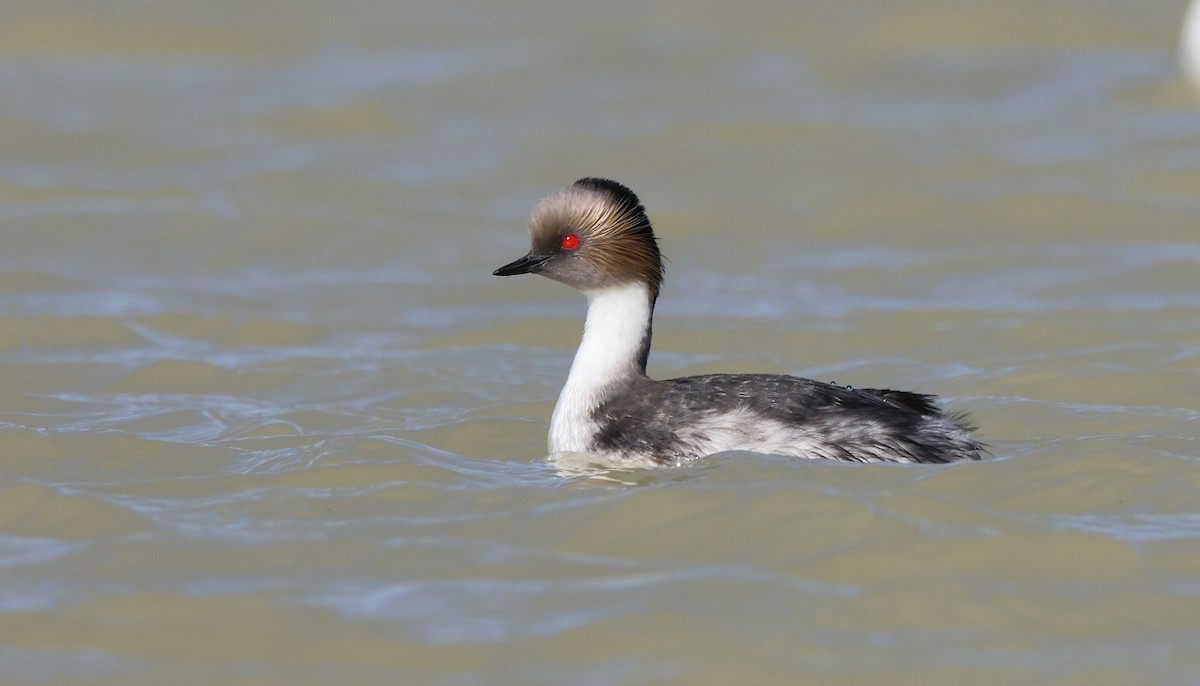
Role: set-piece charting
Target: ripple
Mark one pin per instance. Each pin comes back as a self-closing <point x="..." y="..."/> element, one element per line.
<point x="16" y="551"/>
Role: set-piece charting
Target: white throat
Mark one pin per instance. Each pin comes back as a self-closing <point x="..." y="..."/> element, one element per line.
<point x="618" y="321"/>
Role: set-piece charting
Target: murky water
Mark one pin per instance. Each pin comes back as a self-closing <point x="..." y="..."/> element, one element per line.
<point x="267" y="418"/>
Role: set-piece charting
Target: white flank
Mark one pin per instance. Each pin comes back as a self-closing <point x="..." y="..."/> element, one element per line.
<point x="744" y="430"/>
<point x="617" y="319"/>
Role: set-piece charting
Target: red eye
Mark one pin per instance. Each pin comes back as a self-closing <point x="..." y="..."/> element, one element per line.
<point x="569" y="242"/>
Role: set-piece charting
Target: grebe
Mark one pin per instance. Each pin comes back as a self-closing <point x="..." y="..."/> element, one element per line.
<point x="594" y="236"/>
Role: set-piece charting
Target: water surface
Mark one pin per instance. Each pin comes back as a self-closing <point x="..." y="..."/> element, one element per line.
<point x="267" y="418"/>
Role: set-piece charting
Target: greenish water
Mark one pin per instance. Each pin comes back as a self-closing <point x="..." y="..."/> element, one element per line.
<point x="266" y="418"/>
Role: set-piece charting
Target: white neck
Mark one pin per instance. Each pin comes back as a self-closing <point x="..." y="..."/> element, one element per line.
<point x="618" y="322"/>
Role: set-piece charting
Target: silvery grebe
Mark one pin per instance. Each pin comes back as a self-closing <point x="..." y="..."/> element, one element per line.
<point x="594" y="236"/>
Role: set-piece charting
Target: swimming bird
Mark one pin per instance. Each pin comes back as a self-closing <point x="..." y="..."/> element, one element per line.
<point x="594" y="236"/>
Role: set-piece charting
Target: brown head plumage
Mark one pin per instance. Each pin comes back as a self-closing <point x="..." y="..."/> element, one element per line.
<point x="593" y="233"/>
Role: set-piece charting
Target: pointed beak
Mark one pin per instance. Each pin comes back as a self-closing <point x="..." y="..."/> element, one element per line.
<point x="530" y="264"/>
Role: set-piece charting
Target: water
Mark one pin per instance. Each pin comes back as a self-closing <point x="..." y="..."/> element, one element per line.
<point x="267" y="418"/>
